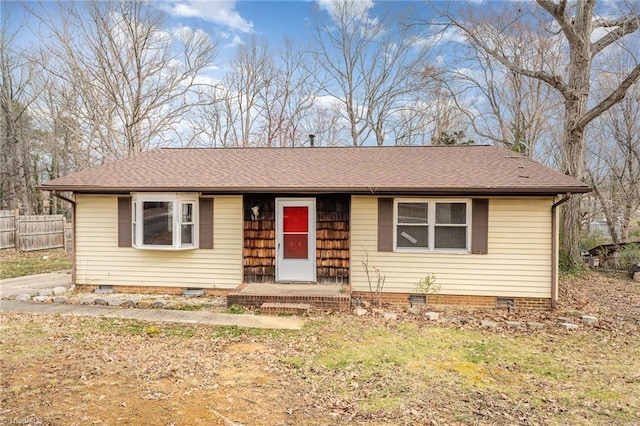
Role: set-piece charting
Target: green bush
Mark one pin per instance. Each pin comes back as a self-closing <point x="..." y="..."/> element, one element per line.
<point x="236" y="309"/>
<point x="629" y="256"/>
<point x="571" y="266"/>
<point x="427" y="285"/>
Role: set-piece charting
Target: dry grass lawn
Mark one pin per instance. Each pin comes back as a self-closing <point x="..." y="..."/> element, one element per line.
<point x="340" y="369"/>
<point x="18" y="264"/>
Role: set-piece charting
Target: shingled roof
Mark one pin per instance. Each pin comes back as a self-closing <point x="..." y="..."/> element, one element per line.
<point x="446" y="170"/>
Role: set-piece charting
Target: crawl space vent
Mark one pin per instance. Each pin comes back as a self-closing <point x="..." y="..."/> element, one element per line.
<point x="503" y="302"/>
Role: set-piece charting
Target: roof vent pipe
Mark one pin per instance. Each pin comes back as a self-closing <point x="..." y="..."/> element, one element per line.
<point x="311" y="138"/>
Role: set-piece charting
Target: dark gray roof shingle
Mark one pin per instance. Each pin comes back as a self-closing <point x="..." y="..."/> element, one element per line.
<point x="481" y="169"/>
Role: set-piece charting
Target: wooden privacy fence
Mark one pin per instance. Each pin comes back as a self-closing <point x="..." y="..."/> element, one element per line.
<point x="34" y="232"/>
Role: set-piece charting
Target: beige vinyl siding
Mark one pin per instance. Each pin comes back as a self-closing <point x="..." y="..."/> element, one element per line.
<point x="518" y="263"/>
<point x="99" y="260"/>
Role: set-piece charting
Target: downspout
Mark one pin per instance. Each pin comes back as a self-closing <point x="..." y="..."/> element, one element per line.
<point x="73" y="233"/>
<point x="554" y="249"/>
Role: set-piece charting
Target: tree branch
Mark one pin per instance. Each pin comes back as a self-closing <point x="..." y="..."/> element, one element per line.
<point x="616" y="96"/>
<point x="608" y="23"/>
<point x="554" y="81"/>
<point x="625" y="26"/>
<point x="557" y="10"/>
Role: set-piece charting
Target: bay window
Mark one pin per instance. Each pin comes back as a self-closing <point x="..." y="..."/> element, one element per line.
<point x="164" y="221"/>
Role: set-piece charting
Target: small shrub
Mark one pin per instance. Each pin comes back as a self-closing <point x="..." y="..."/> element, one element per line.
<point x="629" y="256"/>
<point x="152" y="331"/>
<point x="236" y="309"/>
<point x="427" y="285"/>
<point x="376" y="282"/>
<point x="572" y="267"/>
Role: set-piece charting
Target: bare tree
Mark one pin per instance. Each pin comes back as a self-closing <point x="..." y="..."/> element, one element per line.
<point x="325" y="122"/>
<point x="252" y="71"/>
<point x="62" y="145"/>
<point x="430" y="111"/>
<point x="212" y="122"/>
<point x="287" y="98"/>
<point x="263" y="100"/>
<point x="519" y="110"/>
<point x="371" y="68"/>
<point x="131" y="82"/>
<point x="614" y="161"/>
<point x="450" y="121"/>
<point x="586" y="36"/>
<point x="16" y="95"/>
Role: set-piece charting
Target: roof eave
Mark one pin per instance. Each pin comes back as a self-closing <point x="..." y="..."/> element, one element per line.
<point x="523" y="191"/>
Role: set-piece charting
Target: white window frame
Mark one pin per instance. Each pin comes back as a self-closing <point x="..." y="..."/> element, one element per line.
<point x="177" y="199"/>
<point x="431" y="225"/>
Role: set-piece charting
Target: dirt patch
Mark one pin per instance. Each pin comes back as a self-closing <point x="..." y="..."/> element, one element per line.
<point x="248" y="348"/>
<point x="126" y="376"/>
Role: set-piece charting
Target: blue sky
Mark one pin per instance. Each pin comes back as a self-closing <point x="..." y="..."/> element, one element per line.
<point x="223" y="19"/>
<point x="228" y="23"/>
<point x="233" y="21"/>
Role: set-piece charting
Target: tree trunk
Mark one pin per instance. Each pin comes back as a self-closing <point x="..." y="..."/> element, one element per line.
<point x="573" y="165"/>
<point x="576" y="96"/>
<point x="15" y="179"/>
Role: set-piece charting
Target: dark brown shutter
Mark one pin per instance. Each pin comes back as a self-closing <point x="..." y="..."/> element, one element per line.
<point x="480" y="226"/>
<point x="205" y="216"/>
<point x="124" y="222"/>
<point x="385" y="224"/>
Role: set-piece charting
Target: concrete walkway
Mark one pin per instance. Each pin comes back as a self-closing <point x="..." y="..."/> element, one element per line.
<point x="155" y="315"/>
<point x="32" y="284"/>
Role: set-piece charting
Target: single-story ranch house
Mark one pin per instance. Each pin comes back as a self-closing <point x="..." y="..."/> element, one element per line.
<point x="481" y="219"/>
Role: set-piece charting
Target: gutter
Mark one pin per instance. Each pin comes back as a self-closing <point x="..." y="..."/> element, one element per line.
<point x="73" y="233"/>
<point x="554" y="249"/>
<point x="356" y="190"/>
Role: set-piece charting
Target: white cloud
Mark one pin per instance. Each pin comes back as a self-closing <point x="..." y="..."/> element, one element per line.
<point x="187" y="33"/>
<point x="327" y="102"/>
<point x="357" y="8"/>
<point x="206" y="81"/>
<point x="218" y="12"/>
<point x="235" y="41"/>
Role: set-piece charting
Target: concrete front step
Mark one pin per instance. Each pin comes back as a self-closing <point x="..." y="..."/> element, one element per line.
<point x="271" y="308"/>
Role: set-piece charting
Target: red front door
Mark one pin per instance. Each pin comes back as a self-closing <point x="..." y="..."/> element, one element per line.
<point x="295" y="235"/>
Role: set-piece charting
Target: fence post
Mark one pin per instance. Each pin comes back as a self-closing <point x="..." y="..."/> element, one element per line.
<point x="64" y="233"/>
<point x="16" y="224"/>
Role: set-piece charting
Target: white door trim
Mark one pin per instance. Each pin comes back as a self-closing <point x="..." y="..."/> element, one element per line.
<point x="296" y="270"/>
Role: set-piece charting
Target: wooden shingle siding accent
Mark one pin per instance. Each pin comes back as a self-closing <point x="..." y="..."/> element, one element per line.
<point x="259" y="254"/>
<point x="99" y="260"/>
<point x="124" y="222"/>
<point x="518" y="262"/>
<point x="332" y="238"/>
<point x="205" y="223"/>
